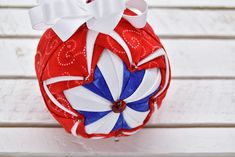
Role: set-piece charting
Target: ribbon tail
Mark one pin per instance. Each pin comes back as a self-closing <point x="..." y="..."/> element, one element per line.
<point x="140" y="20"/>
<point x="66" y="27"/>
<point x="37" y="18"/>
<point x="105" y="25"/>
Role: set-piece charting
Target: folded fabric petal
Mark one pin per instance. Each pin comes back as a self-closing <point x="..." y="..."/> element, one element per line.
<point x="113" y="82"/>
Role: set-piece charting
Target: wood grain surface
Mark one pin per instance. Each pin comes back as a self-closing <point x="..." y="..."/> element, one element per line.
<point x="190" y="58"/>
<point x="153" y="3"/>
<point x="39" y="142"/>
<point x="188" y="103"/>
<point x="168" y="23"/>
<point x="197" y="118"/>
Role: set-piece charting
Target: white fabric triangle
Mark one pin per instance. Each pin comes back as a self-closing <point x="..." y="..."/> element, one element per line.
<point x="150" y="83"/>
<point x="134" y="118"/>
<point x="83" y="99"/>
<point x="111" y="68"/>
<point x="103" y="125"/>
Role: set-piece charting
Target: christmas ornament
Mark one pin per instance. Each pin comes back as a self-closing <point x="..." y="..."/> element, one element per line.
<point x="101" y="69"/>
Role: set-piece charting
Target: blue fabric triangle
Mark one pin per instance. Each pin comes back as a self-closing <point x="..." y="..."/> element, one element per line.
<point x="131" y="82"/>
<point x="91" y="117"/>
<point x="99" y="86"/>
<point x="121" y="124"/>
<point x="140" y="107"/>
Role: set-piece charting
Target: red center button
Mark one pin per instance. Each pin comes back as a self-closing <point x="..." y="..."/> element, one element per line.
<point x="119" y="106"/>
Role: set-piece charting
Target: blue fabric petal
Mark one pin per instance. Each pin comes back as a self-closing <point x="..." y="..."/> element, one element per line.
<point x="99" y="86"/>
<point x="121" y="124"/>
<point x="132" y="83"/>
<point x="91" y="117"/>
<point x="141" y="105"/>
<point x="126" y="76"/>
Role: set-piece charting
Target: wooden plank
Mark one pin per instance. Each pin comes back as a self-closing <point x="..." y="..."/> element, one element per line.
<point x="166" y="22"/>
<point x="201" y="58"/>
<point x="16" y="23"/>
<point x="17" y="57"/>
<point x="21" y="102"/>
<point x="189" y="102"/>
<point x="189" y="58"/>
<point x="152" y="3"/>
<point x="193" y="23"/>
<point x="198" y="102"/>
<point x="203" y="142"/>
<point x="17" y="3"/>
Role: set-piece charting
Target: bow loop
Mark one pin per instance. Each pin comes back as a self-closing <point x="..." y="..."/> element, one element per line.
<point x="66" y="16"/>
<point x="106" y="8"/>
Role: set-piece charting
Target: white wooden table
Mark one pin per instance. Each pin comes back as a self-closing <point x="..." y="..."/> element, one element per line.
<point x="196" y="119"/>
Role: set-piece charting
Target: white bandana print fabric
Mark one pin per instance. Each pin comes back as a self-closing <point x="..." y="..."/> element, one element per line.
<point x="114" y="85"/>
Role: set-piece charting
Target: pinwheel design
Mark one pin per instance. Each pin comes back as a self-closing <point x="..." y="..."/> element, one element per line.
<point x="117" y="98"/>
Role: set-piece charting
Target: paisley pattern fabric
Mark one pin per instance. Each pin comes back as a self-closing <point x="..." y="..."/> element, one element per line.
<point x="113" y="82"/>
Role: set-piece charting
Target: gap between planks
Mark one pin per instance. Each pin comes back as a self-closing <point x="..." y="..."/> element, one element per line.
<point x="180" y="37"/>
<point x="149" y="126"/>
<point x="150" y="7"/>
<point x="17" y="77"/>
<point x="194" y="7"/>
<point x="121" y="155"/>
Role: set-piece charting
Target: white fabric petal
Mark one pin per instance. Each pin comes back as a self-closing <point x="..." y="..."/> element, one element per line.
<point x="103" y="125"/>
<point x="111" y="68"/>
<point x="90" y="43"/>
<point x="150" y="83"/>
<point x="156" y="54"/>
<point x="83" y="99"/>
<point x="134" y="118"/>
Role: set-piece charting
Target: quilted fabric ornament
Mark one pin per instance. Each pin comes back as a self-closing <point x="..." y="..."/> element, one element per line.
<point x="101" y="69"/>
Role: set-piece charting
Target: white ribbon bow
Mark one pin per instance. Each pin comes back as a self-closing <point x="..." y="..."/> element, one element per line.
<point x="66" y="16"/>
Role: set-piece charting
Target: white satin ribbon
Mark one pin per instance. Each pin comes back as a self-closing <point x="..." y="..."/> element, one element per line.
<point x="66" y="16"/>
